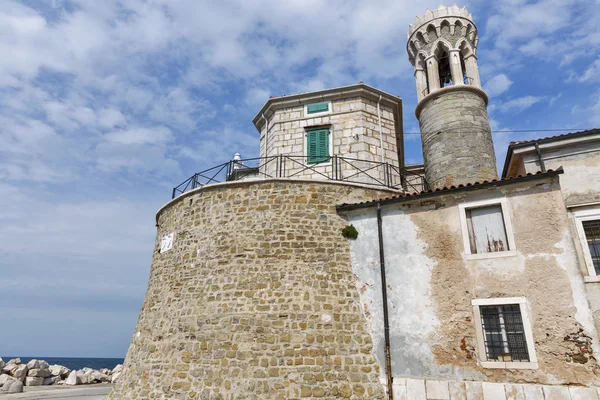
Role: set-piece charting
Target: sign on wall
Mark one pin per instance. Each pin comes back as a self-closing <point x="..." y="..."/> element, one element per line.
<point x="166" y="243"/>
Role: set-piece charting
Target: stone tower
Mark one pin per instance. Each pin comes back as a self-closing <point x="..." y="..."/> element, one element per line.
<point x="452" y="108"/>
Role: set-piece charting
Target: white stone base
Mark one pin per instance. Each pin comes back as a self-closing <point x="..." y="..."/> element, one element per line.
<point x="420" y="389"/>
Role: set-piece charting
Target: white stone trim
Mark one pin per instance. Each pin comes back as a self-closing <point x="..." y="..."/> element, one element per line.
<point x="503" y="202"/>
<point x="319" y="114"/>
<point x="523" y="305"/>
<point x="580" y="215"/>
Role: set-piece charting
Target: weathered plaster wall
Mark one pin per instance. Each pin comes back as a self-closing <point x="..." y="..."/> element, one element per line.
<point x="354" y="134"/>
<point x="456" y="137"/>
<point x="431" y="285"/>
<point x="256" y="299"/>
<point x="580" y="182"/>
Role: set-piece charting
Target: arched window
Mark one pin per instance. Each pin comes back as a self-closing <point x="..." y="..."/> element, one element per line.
<point x="443" y="58"/>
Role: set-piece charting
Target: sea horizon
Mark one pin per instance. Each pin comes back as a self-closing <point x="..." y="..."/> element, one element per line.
<point x="74" y="363"/>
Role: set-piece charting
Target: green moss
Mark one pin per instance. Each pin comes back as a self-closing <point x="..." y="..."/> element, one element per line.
<point x="350" y="232"/>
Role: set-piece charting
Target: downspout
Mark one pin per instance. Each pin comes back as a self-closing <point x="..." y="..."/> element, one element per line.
<point x="386" y="324"/>
<point x="266" y="134"/>
<point x="380" y="130"/>
<point x="539" y="154"/>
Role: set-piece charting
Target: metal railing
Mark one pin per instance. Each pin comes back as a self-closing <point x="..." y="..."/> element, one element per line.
<point x="335" y="168"/>
<point x="467" y="80"/>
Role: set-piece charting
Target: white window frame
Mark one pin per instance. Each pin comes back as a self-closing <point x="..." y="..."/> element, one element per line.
<point x="503" y="203"/>
<point x="481" y="350"/>
<point x="319" y="114"/>
<point x="312" y="128"/>
<point x="581" y="215"/>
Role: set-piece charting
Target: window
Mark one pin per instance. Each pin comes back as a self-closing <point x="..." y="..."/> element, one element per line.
<point x="317" y="146"/>
<point x="317" y="108"/>
<point x="487" y="231"/>
<point x="592" y="237"/>
<point x="504" y="333"/>
<point x="587" y="221"/>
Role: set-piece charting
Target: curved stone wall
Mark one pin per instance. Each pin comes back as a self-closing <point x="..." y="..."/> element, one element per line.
<point x="256" y="299"/>
<point x="456" y="137"/>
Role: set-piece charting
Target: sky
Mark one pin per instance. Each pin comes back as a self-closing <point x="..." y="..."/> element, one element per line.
<point x="106" y="105"/>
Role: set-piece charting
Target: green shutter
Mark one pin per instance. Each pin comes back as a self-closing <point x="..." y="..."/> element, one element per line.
<point x="317" y="143"/>
<point x="317" y="108"/>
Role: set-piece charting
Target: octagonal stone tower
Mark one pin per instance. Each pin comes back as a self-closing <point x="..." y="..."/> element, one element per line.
<point x="452" y="108"/>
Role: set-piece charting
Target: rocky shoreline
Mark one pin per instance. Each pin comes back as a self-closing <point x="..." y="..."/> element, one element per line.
<point x="14" y="375"/>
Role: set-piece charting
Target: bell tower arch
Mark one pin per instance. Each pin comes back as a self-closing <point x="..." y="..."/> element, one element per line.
<point x="452" y="107"/>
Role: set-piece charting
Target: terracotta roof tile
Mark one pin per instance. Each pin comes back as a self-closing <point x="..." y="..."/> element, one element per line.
<point x="549" y="172"/>
<point x="562" y="136"/>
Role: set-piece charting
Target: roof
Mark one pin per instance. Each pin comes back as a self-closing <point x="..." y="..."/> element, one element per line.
<point x="452" y="189"/>
<point x="322" y="95"/>
<point x="549" y="139"/>
<point x="555" y="138"/>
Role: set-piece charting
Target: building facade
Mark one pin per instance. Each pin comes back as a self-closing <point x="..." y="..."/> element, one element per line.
<point x="468" y="288"/>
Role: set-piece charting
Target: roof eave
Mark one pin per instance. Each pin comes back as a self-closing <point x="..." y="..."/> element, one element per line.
<point x="426" y="195"/>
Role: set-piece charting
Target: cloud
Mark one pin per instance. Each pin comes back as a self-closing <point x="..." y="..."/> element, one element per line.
<point x="520" y="104"/>
<point x="497" y="85"/>
<point x="592" y="73"/>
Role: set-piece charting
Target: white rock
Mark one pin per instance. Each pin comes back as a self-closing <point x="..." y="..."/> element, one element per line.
<point x="2" y="364"/>
<point x="51" y="380"/>
<point x="33" y="364"/>
<point x="4" y="378"/>
<point x="115" y="377"/>
<point x="118" y="368"/>
<point x="8" y="367"/>
<point x="87" y="370"/>
<point x="83" y="378"/>
<point x="72" y="379"/>
<point x="14" y="361"/>
<point x="16" y="387"/>
<point x="43" y="373"/>
<point x="105" y="371"/>
<point x="44" y="365"/>
<point x="99" y="377"/>
<point x="34" y="381"/>
<point x="19" y="372"/>
<point x="59" y="370"/>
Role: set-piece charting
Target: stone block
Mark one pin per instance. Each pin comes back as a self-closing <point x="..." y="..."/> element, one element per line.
<point x="582" y="393"/>
<point x="474" y="390"/>
<point x="415" y="389"/>
<point x="493" y="391"/>
<point x="437" y="390"/>
<point x="556" y="393"/>
<point x="514" y="392"/>
<point x="457" y="390"/>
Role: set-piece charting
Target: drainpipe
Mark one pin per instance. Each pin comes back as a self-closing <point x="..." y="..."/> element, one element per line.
<point x="266" y="134"/>
<point x="380" y="130"/>
<point x="386" y="323"/>
<point x="539" y="153"/>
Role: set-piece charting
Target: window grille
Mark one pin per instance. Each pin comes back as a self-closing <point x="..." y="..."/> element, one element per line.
<point x="503" y="333"/>
<point x="592" y="236"/>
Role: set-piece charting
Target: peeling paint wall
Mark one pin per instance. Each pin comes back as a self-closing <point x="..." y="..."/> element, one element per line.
<point x="431" y="284"/>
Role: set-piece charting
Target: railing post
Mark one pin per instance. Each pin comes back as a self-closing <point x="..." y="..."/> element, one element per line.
<point x="173" y="195"/>
<point x="335" y="172"/>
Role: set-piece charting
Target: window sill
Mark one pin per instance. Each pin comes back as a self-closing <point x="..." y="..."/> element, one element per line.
<point x="591" y="278"/>
<point x="499" y="254"/>
<point x="509" y="365"/>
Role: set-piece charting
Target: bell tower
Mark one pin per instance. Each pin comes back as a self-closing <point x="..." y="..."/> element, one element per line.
<point x="452" y="108"/>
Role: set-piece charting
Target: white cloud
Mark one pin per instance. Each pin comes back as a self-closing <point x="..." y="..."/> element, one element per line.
<point x="497" y="85"/>
<point x="520" y="104"/>
<point x="592" y="73"/>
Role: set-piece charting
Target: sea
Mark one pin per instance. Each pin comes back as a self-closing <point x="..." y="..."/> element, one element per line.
<point x="74" y="363"/>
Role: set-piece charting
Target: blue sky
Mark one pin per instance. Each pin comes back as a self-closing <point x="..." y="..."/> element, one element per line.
<point x="106" y="105"/>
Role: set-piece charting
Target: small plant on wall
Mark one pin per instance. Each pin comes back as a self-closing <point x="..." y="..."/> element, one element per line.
<point x="350" y="232"/>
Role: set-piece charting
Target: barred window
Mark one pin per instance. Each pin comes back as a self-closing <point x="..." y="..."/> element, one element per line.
<point x="503" y="333"/>
<point x="592" y="237"/>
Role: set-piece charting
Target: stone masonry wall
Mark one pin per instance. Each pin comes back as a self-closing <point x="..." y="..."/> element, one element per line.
<point x="456" y="136"/>
<point x="255" y="300"/>
<point x="354" y="133"/>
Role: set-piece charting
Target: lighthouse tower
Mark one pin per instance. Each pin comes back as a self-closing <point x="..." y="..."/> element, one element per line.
<point x="452" y="108"/>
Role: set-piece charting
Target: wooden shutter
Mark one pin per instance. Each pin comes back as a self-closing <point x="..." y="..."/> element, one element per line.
<point x="317" y="143"/>
<point x="317" y="108"/>
<point x="486" y="230"/>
